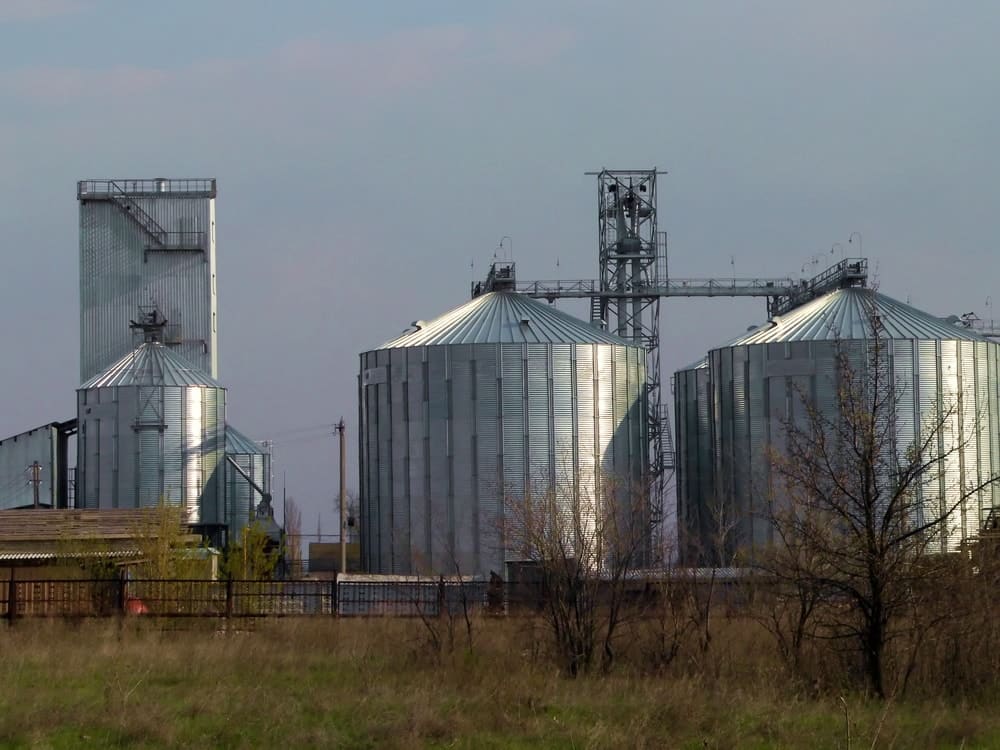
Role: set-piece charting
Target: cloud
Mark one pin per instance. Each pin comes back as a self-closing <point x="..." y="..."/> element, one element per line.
<point x="531" y="47"/>
<point x="398" y="62"/>
<point x="17" y="11"/>
<point x="59" y="85"/>
<point x="404" y="60"/>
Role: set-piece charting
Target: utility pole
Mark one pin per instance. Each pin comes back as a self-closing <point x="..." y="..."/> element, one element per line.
<point x="36" y="480"/>
<point x="343" y="498"/>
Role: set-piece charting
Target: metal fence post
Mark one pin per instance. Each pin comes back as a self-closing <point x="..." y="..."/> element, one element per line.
<point x="334" y="604"/>
<point x="121" y="592"/>
<point x="11" y="598"/>
<point x="229" y="597"/>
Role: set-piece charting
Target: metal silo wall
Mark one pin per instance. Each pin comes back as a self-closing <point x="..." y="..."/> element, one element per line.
<point x="695" y="471"/>
<point x="117" y="275"/>
<point x="241" y="499"/>
<point x="448" y="431"/>
<point x="951" y="386"/>
<point x="141" y="444"/>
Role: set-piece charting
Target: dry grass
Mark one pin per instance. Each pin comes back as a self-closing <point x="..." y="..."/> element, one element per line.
<point x="375" y="683"/>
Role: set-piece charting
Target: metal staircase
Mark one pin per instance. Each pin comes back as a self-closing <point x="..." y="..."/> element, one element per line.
<point x="157" y="237"/>
<point x="130" y="208"/>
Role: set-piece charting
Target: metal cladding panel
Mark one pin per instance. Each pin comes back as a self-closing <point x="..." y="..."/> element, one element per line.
<point x="398" y="502"/>
<point x="992" y="409"/>
<point x="118" y="274"/>
<point x="419" y="473"/>
<point x="513" y="426"/>
<point x="540" y="421"/>
<point x="907" y="401"/>
<point x="239" y="494"/>
<point x="604" y="398"/>
<point x="440" y="518"/>
<point x="980" y="429"/>
<point x="176" y="428"/>
<point x="638" y="414"/>
<point x="211" y="455"/>
<point x="563" y="453"/>
<point x="587" y="448"/>
<point x="969" y="450"/>
<point x="488" y="467"/>
<point x="379" y="438"/>
<point x="951" y="439"/>
<point x="694" y="466"/>
<point x="620" y="431"/>
<point x="461" y="439"/>
<point x="17" y="454"/>
<point x="477" y="422"/>
<point x="743" y="469"/>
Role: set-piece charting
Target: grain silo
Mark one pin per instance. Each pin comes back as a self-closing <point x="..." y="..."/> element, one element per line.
<point x="694" y="473"/>
<point x="501" y="397"/>
<point x="939" y="372"/>
<point x="242" y="497"/>
<point x="151" y="428"/>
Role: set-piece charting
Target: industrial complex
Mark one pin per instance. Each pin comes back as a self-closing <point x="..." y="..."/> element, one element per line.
<point x="151" y="423"/>
<point x="503" y="396"/>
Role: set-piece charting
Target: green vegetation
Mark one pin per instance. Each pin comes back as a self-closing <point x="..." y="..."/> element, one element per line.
<point x="376" y="683"/>
<point x="251" y="557"/>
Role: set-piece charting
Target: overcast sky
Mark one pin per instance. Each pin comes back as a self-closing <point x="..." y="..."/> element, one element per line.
<point x="367" y="153"/>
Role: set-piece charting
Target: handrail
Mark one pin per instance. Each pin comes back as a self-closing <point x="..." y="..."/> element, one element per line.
<point x="184" y="186"/>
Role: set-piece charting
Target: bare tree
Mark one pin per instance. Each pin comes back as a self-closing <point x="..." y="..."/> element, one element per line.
<point x="855" y="512"/>
<point x="584" y="549"/>
<point x="293" y="535"/>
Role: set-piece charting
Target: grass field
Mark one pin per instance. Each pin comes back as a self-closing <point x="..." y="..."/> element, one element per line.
<point x="377" y="683"/>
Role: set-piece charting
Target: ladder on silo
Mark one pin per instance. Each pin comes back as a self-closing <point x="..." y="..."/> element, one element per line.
<point x="597" y="315"/>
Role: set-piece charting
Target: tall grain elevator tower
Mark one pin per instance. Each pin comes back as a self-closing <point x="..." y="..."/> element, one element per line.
<point x="147" y="244"/>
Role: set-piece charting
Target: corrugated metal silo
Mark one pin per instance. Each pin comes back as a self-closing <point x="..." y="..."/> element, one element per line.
<point x="502" y="396"/>
<point x="694" y="462"/>
<point x="152" y="426"/>
<point x="241" y="498"/>
<point x="935" y="367"/>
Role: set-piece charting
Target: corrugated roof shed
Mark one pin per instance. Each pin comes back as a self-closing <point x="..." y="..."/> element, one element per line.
<point x="50" y="531"/>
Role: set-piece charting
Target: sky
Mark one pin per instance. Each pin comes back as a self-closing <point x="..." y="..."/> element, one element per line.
<point x="370" y="157"/>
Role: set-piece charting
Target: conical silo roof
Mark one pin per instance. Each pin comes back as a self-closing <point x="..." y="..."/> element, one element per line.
<point x="504" y="318"/>
<point x="847" y="314"/>
<point x="238" y="443"/>
<point x="152" y="363"/>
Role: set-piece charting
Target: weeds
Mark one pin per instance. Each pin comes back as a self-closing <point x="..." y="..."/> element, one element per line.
<point x="354" y="683"/>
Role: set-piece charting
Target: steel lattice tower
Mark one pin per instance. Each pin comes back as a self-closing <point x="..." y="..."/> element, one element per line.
<point x="631" y="260"/>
